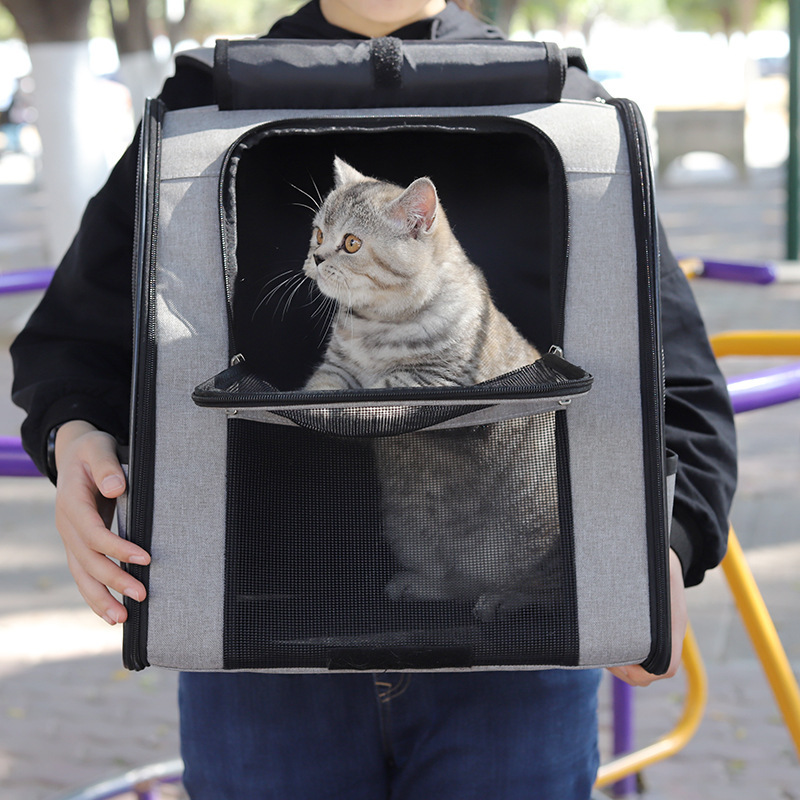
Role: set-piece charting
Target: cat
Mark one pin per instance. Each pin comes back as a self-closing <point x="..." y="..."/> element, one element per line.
<point x="414" y="311"/>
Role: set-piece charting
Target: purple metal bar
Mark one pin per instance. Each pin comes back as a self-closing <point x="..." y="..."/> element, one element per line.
<point x="740" y="272"/>
<point x="623" y="732"/>
<point x="767" y="388"/>
<point x="14" y="461"/>
<point x="28" y="280"/>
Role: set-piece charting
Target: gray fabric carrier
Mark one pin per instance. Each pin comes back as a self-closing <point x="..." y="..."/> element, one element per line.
<point x="269" y="512"/>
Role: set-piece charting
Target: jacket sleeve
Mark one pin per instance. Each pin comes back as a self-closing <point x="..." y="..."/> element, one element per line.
<point x="699" y="428"/>
<point x="73" y="359"/>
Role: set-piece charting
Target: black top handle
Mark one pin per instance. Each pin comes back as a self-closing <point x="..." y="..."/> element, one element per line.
<point x="385" y="73"/>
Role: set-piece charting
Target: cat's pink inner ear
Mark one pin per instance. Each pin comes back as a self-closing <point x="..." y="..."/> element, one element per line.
<point x="417" y="205"/>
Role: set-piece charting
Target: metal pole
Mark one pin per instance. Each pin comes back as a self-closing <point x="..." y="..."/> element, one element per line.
<point x="793" y="167"/>
<point x="623" y="733"/>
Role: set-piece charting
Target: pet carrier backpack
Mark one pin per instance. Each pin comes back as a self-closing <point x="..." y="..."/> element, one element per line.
<point x="262" y="505"/>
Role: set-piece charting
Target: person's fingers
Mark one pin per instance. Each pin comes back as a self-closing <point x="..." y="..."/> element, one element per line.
<point x="89" y="478"/>
<point x="96" y="594"/>
<point x="636" y="675"/>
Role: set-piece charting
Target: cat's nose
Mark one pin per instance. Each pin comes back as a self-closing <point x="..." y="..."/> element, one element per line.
<point x="318" y="259"/>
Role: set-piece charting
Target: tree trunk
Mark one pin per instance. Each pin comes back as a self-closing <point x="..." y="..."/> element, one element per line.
<point x="71" y="127"/>
<point x="139" y="69"/>
<point x="176" y="28"/>
<point x="71" y="121"/>
<point x="747" y="14"/>
<point x="132" y="31"/>
<point x="51" y="20"/>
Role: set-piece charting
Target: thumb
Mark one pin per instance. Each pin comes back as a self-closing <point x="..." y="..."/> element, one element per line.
<point x="112" y="485"/>
<point x="103" y="464"/>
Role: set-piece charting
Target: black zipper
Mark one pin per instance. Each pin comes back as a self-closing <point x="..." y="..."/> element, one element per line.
<point x="574" y="381"/>
<point x="652" y="381"/>
<point x="142" y="426"/>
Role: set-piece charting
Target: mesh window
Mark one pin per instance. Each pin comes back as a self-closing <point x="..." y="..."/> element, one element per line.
<point x="446" y="548"/>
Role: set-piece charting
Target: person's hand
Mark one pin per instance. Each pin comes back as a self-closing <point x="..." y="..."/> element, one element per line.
<point x="90" y="479"/>
<point x="634" y="674"/>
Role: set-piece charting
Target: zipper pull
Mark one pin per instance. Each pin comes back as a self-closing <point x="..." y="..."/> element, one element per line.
<point x="237" y="359"/>
<point x="555" y="350"/>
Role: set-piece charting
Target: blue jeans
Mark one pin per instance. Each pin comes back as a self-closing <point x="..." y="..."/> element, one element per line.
<point x="420" y="736"/>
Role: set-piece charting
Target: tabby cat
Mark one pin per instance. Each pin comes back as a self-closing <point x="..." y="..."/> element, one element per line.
<point x="467" y="515"/>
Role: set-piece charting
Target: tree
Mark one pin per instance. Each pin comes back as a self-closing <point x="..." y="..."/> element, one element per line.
<point x="565" y="15"/>
<point x="73" y="154"/>
<point x="134" y="26"/>
<point x="499" y="12"/>
<point x="727" y="16"/>
<point x="51" y="20"/>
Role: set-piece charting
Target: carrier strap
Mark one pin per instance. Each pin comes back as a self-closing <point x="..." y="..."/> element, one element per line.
<point x="384" y="73"/>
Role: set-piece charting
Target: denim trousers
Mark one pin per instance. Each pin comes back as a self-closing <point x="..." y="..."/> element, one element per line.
<point x="406" y="736"/>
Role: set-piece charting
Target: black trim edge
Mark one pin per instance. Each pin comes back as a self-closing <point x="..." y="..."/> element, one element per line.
<point x="142" y="425"/>
<point x="652" y="382"/>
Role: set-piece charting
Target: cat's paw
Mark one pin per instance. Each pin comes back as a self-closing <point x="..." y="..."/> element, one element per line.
<point x="413" y="586"/>
<point x="489" y="605"/>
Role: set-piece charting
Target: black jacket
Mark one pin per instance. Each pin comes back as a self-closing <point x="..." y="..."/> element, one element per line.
<point x="73" y="359"/>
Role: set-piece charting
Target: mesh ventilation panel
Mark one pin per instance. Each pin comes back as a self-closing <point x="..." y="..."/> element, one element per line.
<point x="432" y="549"/>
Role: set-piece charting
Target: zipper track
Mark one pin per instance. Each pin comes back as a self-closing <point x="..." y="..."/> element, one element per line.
<point x="394" y="396"/>
<point x="653" y="385"/>
<point x="142" y="427"/>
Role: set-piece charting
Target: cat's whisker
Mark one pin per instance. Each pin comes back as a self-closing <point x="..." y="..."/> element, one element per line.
<point x="317" y="203"/>
<point x="291" y="296"/>
<point x="277" y="277"/>
<point x="316" y="189"/>
<point x="330" y="313"/>
<point x="284" y="284"/>
<point x="283" y="303"/>
<point x="305" y="205"/>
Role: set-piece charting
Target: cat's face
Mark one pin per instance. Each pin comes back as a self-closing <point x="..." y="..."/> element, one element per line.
<point x="373" y="243"/>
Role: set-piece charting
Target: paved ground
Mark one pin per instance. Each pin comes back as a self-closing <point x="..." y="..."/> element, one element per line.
<point x="70" y="715"/>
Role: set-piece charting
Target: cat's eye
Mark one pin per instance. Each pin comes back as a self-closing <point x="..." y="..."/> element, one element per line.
<point x="318" y="234"/>
<point x="352" y="244"/>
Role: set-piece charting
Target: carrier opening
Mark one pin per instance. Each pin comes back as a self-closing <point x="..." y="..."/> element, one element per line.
<point x="502" y="186"/>
<point x="419" y="548"/>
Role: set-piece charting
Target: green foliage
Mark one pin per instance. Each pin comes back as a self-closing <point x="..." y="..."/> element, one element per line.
<point x="724" y="15"/>
<point x="576" y="14"/>
<point x="8" y="28"/>
<point x="205" y="17"/>
<point x="100" y="19"/>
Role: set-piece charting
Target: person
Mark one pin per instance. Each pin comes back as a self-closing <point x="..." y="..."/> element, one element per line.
<point x="500" y="735"/>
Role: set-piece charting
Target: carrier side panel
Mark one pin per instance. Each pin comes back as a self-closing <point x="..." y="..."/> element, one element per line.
<point x="188" y="558"/>
<point x="601" y="332"/>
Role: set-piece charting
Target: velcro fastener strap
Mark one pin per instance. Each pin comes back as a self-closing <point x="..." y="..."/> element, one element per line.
<point x="386" y="60"/>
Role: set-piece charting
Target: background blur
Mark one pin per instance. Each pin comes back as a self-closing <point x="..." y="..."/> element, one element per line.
<point x="74" y="73"/>
<point x="712" y="79"/>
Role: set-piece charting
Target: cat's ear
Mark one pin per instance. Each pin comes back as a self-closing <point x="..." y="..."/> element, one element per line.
<point x="343" y="173"/>
<point x="416" y="208"/>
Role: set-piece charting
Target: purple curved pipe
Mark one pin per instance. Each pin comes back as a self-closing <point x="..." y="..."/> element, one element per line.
<point x="740" y="272"/>
<point x="767" y="388"/>
<point x="27" y="280"/>
<point x="14" y="461"/>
